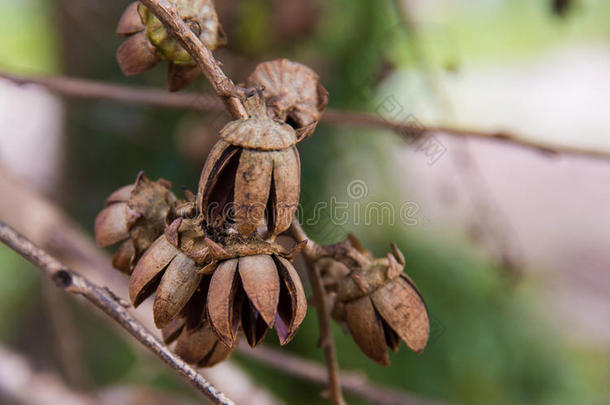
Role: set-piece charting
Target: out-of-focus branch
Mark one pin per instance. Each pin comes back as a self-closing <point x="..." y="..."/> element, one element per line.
<point x="72" y="282"/>
<point x="323" y="310"/>
<point x="95" y="90"/>
<point x="19" y="383"/>
<point x="354" y="383"/>
<point x="201" y="54"/>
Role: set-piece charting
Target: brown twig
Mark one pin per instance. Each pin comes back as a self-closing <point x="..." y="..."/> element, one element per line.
<point x="201" y="54"/>
<point x="95" y="90"/>
<point x="326" y="334"/>
<point x="309" y="370"/>
<point x="104" y="299"/>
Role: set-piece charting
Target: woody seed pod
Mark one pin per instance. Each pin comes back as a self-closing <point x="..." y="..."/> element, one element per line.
<point x="149" y="42"/>
<point x="376" y="301"/>
<point x="293" y="93"/>
<point x="257" y="292"/>
<point x="252" y="173"/>
<point x="135" y="214"/>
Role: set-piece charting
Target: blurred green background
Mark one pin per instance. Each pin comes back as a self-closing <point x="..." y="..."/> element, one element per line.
<point x="490" y="343"/>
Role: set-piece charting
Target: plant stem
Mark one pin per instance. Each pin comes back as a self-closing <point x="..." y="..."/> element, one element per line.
<point x="326" y="334"/>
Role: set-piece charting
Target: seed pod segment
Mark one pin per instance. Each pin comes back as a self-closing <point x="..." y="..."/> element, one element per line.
<point x="252" y="173"/>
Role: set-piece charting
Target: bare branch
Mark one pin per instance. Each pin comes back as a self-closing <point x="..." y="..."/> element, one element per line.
<point x="326" y="334"/>
<point x="201" y="54"/>
<point x="72" y="282"/>
<point x="95" y="90"/>
<point x="309" y="370"/>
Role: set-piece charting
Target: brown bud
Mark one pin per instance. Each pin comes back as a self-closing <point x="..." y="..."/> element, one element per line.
<point x="293" y="93"/>
<point x="378" y="303"/>
<point x="258" y="293"/>
<point x="252" y="173"/>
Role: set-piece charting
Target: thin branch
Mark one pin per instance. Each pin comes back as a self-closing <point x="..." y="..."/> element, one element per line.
<point x="96" y="90"/>
<point x="201" y="54"/>
<point x="354" y="383"/>
<point x="104" y="299"/>
<point x="326" y="334"/>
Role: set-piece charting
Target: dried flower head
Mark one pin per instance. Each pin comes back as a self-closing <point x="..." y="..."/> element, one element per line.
<point x="136" y="214"/>
<point x="149" y="42"/>
<point x="293" y="93"/>
<point x="252" y="174"/>
<point x="245" y="282"/>
<point x="379" y="304"/>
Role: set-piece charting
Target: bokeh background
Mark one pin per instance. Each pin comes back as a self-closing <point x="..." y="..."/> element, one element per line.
<point x="509" y="247"/>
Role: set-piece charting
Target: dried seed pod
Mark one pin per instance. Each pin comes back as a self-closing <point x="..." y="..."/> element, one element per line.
<point x="258" y="293"/>
<point x="201" y="346"/>
<point x="252" y="173"/>
<point x="293" y="93"/>
<point x="375" y="300"/>
<point x="149" y="42"/>
<point x="196" y="342"/>
<point x="135" y="214"/>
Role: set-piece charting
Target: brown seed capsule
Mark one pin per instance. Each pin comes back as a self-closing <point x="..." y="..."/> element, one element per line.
<point x="197" y="343"/>
<point x="293" y="93"/>
<point x="258" y="293"/>
<point x="149" y="41"/>
<point x="252" y="173"/>
<point x="135" y="214"/>
<point x="379" y="304"/>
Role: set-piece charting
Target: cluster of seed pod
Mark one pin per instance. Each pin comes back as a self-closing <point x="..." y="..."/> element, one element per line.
<point x="211" y="259"/>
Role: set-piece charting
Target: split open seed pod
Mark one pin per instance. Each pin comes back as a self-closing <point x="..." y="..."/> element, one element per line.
<point x="257" y="293"/>
<point x="149" y="42"/>
<point x="293" y="93"/>
<point x="196" y="342"/>
<point x="252" y="174"/>
<point x="378" y="303"/>
<point x="136" y="215"/>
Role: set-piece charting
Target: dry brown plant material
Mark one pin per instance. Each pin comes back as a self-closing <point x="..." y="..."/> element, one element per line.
<point x="135" y="214"/>
<point x="375" y="300"/>
<point x="293" y="93"/>
<point x="253" y="173"/>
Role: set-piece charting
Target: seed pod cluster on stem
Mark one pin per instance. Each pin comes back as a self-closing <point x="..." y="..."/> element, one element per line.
<point x="210" y="260"/>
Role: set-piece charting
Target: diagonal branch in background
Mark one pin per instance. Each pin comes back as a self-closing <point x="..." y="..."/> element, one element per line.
<point x="201" y="54"/>
<point x="72" y="282"/>
<point x="96" y="90"/>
